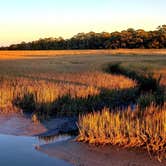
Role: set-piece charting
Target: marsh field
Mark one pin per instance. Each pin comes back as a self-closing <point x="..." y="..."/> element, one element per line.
<point x="114" y="98"/>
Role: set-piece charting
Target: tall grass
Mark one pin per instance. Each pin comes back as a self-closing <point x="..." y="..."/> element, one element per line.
<point x="42" y="93"/>
<point x="127" y="128"/>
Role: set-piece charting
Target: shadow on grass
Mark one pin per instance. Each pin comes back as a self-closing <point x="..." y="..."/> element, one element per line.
<point x="149" y="88"/>
<point x="67" y="106"/>
<point x="148" y="91"/>
<point x="146" y="81"/>
<point x="65" y="110"/>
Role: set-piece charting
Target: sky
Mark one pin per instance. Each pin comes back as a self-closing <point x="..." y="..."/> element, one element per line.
<point x="27" y="20"/>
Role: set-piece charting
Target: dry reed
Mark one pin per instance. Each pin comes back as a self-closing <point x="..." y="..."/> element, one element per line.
<point x="128" y="128"/>
<point x="52" y="87"/>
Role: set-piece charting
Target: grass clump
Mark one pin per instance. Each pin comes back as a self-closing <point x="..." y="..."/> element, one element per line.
<point x="157" y="98"/>
<point x="127" y="128"/>
<point x="146" y="100"/>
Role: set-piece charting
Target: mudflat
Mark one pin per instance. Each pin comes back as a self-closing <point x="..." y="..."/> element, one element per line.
<point x="83" y="154"/>
<point x="21" y="125"/>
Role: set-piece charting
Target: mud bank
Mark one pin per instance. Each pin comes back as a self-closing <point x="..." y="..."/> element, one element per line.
<point x="88" y="155"/>
<point x="20" y="124"/>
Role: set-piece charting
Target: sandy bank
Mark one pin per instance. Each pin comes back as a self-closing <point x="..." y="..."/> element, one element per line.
<point x="88" y="155"/>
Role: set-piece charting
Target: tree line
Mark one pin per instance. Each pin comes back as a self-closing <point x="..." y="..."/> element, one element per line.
<point x="129" y="38"/>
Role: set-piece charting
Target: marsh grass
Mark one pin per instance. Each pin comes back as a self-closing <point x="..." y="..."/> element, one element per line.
<point x="145" y="79"/>
<point x="53" y="53"/>
<point x="150" y="84"/>
<point x="142" y="126"/>
<point x="128" y="128"/>
<point x="62" y="94"/>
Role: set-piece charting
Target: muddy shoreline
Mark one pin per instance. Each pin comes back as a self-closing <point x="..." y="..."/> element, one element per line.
<point x="89" y="155"/>
<point x="68" y="149"/>
<point x="21" y="125"/>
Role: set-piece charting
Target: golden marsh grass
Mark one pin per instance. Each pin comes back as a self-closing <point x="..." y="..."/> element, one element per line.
<point x="127" y="128"/>
<point x="55" y="86"/>
<point x="52" y="53"/>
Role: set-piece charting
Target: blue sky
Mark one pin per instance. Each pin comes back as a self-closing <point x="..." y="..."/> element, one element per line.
<point x="26" y="20"/>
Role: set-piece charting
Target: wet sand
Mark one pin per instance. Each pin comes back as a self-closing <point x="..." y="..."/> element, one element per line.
<point x="88" y="155"/>
<point x="21" y="125"/>
<point x="18" y="124"/>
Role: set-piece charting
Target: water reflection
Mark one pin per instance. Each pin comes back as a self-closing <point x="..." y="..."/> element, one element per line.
<point x="53" y="138"/>
<point x="20" y="151"/>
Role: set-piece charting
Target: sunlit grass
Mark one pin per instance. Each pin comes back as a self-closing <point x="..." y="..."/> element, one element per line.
<point x="127" y="128"/>
<point x="29" y="54"/>
<point x="91" y="79"/>
<point x="46" y="89"/>
<point x="39" y="82"/>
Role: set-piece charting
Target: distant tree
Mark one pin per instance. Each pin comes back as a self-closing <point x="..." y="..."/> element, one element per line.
<point x="129" y="38"/>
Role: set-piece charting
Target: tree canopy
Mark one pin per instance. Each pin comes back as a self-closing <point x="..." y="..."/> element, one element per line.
<point x="129" y="38"/>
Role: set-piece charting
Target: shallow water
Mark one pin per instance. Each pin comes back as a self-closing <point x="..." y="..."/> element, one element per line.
<point x="53" y="138"/>
<point x="21" y="151"/>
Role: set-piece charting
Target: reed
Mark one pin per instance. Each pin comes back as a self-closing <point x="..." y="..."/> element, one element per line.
<point x="127" y="128"/>
<point x="35" y="91"/>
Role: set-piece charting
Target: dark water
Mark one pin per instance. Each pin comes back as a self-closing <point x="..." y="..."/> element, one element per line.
<point x="20" y="151"/>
